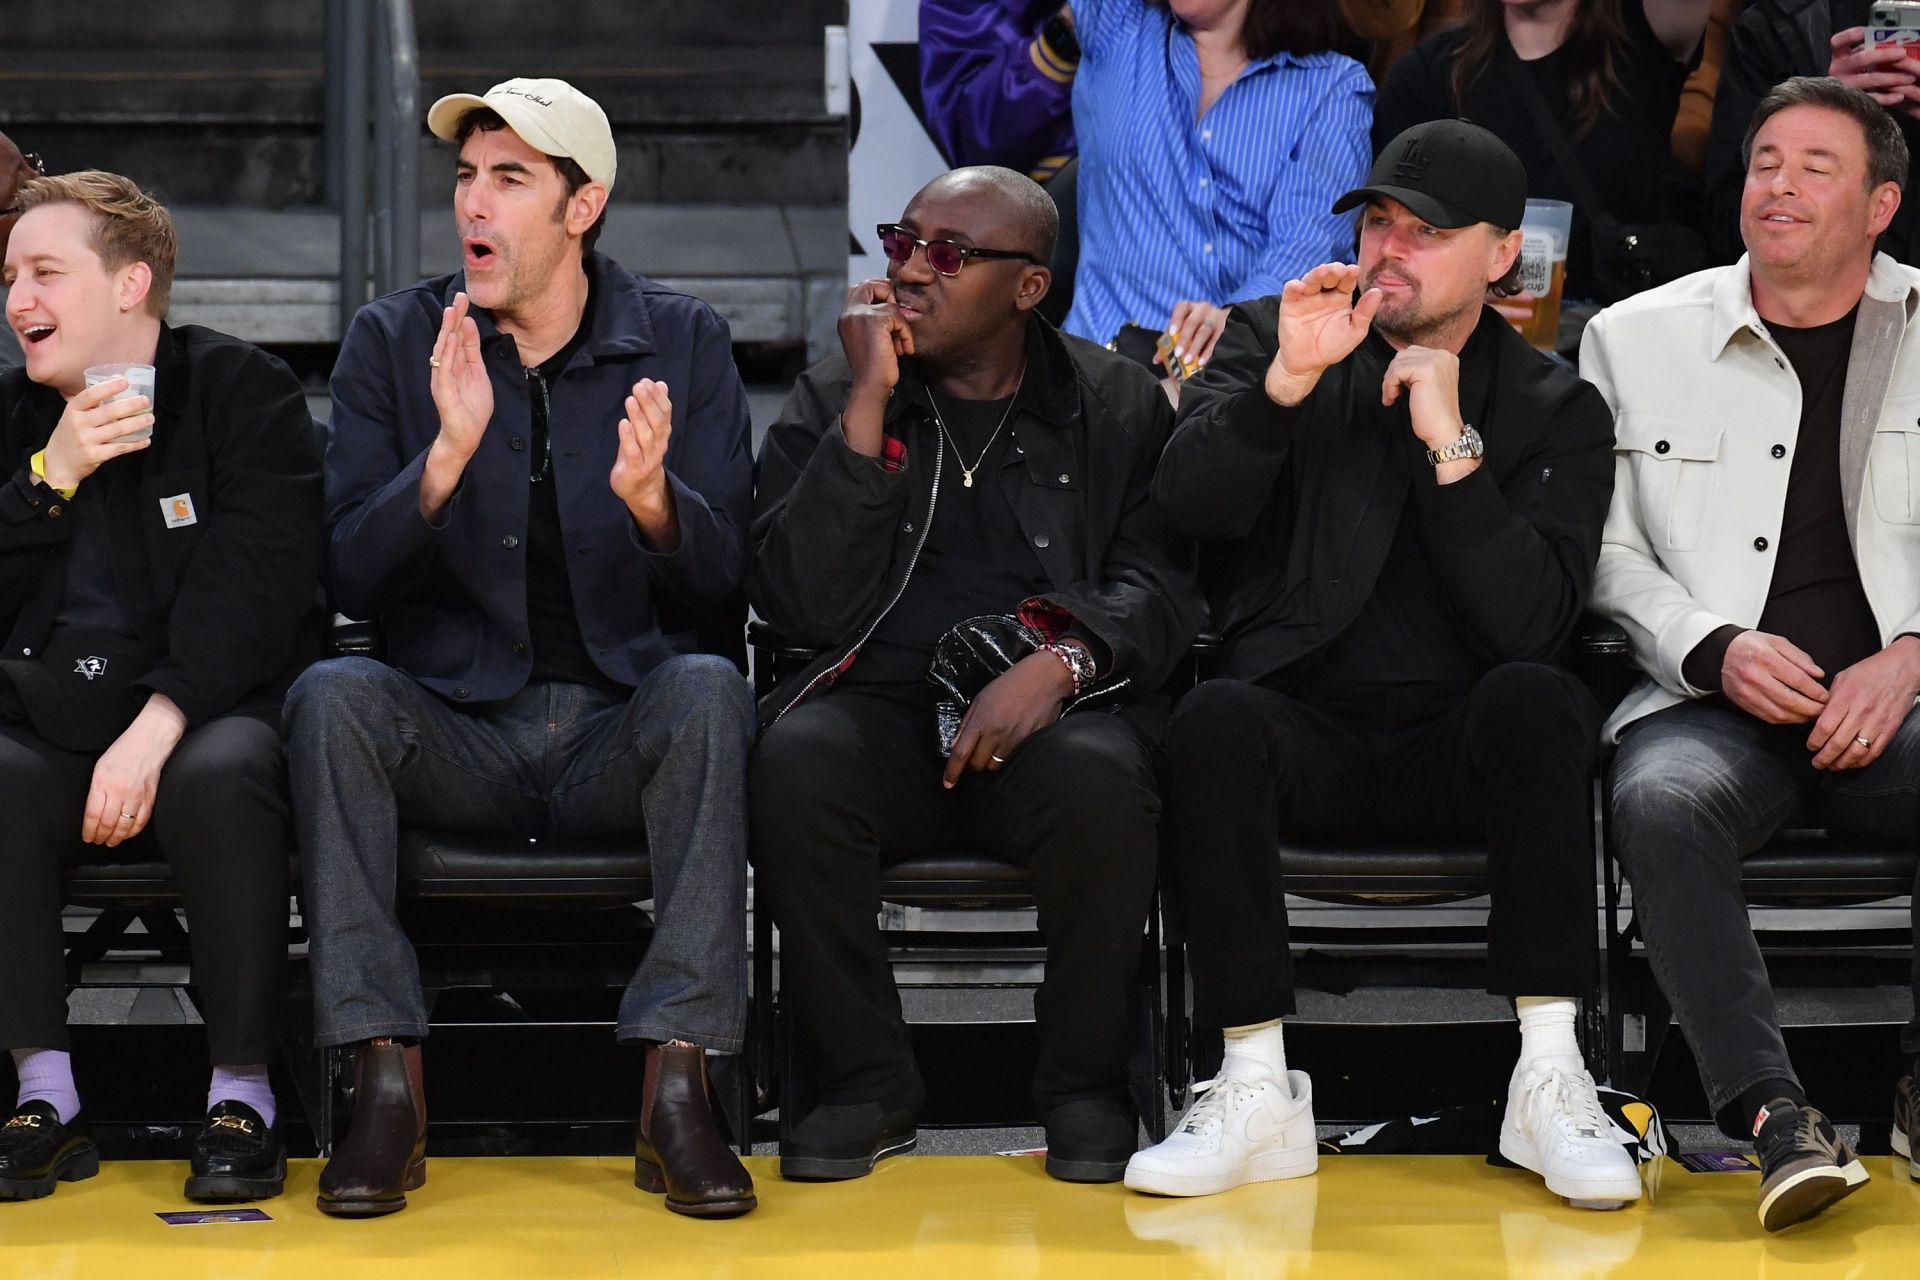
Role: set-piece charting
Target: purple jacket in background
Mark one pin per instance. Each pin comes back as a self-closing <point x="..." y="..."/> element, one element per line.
<point x="995" y="91"/>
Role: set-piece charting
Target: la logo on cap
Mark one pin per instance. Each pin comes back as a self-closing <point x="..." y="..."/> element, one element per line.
<point x="1413" y="160"/>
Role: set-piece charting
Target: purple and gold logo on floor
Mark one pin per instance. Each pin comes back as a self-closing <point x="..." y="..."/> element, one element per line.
<point x="212" y="1217"/>
<point x="1717" y="1162"/>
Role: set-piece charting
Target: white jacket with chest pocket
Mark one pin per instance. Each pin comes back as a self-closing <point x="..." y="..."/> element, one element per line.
<point x="1706" y="419"/>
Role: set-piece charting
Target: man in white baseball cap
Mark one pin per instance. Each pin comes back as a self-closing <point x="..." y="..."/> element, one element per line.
<point x="539" y="482"/>
<point x="551" y="115"/>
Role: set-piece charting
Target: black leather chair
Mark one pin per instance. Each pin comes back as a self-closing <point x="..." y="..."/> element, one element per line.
<point x="1360" y="872"/>
<point x="948" y="881"/>
<point x="500" y="914"/>
<point x="1804" y="866"/>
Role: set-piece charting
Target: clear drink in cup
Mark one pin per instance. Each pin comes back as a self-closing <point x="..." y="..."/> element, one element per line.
<point x="1535" y="310"/>
<point x="139" y="383"/>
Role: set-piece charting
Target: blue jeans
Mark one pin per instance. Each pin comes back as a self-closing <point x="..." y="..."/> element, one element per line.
<point x="1697" y="788"/>
<point x="370" y="748"/>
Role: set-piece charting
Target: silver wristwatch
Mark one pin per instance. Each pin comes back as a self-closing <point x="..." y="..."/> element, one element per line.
<point x="1079" y="664"/>
<point x="1469" y="445"/>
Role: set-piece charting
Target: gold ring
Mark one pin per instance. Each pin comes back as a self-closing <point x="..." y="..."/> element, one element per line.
<point x="434" y="361"/>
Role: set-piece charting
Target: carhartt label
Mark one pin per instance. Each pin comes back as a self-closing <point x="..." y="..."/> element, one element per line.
<point x="178" y="511"/>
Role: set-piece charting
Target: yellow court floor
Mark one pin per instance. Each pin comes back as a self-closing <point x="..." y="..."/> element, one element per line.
<point x="981" y="1217"/>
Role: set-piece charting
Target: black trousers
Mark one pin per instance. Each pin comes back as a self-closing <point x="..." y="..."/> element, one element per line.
<point x="850" y="782"/>
<point x="220" y="819"/>
<point x="1513" y="763"/>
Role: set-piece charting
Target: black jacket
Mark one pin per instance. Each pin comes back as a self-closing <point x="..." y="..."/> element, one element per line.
<point x="835" y="533"/>
<point x="452" y="596"/>
<point x="225" y="607"/>
<point x="1771" y="41"/>
<point x="1296" y="509"/>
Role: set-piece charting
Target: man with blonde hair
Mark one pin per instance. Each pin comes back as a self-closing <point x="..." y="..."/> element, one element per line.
<point x="159" y="566"/>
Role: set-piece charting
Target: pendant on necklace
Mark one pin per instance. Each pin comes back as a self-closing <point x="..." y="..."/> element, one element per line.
<point x="966" y="478"/>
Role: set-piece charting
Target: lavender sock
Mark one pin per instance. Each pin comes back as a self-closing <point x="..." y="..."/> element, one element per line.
<point x="246" y="1084"/>
<point x="46" y="1075"/>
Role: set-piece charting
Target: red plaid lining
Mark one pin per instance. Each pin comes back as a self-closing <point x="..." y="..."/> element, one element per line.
<point x="893" y="453"/>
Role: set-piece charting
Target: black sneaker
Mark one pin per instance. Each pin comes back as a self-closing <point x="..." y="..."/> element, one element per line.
<point x="833" y="1143"/>
<point x="36" y="1151"/>
<point x="236" y="1156"/>
<point x="1804" y="1166"/>
<point x="1906" y="1124"/>
<point x="1091" y="1140"/>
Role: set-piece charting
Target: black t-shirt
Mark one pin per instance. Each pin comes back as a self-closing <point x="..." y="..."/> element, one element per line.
<point x="553" y="623"/>
<point x="1815" y="599"/>
<point x="1405" y="653"/>
<point x="975" y="561"/>
<point x="91" y="599"/>
<point x="1624" y="154"/>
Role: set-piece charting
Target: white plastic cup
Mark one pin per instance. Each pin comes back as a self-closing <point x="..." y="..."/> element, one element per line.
<point x="139" y="383"/>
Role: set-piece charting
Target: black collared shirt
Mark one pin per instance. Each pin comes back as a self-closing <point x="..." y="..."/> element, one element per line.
<point x="553" y="621"/>
<point x="1405" y="651"/>
<point x="975" y="561"/>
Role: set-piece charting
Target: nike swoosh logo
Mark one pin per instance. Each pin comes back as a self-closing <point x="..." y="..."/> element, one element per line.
<point x="1263" y="1126"/>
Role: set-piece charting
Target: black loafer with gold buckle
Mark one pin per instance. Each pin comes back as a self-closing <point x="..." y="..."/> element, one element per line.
<point x="37" y="1151"/>
<point x="237" y="1156"/>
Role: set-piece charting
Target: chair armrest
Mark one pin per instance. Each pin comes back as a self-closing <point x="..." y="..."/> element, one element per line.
<point x="352" y="638"/>
<point x="763" y="636"/>
<point x="1597" y="638"/>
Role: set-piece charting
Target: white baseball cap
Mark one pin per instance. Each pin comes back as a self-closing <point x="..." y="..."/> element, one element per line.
<point x="550" y="116"/>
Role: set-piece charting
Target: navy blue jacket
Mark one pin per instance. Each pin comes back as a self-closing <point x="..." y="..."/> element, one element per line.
<point x="451" y="595"/>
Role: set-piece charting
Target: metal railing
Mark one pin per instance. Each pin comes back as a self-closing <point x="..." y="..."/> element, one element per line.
<point x="373" y="78"/>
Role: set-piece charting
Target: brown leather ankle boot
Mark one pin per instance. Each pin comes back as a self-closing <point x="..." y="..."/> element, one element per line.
<point x="384" y="1155"/>
<point x="677" y="1148"/>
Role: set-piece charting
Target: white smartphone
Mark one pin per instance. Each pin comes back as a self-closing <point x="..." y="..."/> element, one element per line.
<point x="1893" y="22"/>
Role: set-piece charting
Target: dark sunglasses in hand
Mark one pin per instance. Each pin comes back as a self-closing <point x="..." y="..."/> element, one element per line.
<point x="944" y="256"/>
<point x="37" y="167"/>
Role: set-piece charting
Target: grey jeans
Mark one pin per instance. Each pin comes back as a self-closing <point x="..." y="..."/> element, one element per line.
<point x="370" y="748"/>
<point x="1697" y="788"/>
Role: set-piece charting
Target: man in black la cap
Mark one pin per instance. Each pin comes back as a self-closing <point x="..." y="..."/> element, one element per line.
<point x="1399" y="504"/>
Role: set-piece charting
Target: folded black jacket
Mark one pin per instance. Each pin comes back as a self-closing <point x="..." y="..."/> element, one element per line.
<point x="1296" y="509"/>
<point x="224" y="606"/>
<point x="834" y="532"/>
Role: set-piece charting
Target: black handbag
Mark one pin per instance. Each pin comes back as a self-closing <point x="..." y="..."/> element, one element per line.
<point x="974" y="653"/>
<point x="1628" y="257"/>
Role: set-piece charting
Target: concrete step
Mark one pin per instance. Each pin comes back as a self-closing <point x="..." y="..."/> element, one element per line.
<point x="776" y="273"/>
<point x="728" y="123"/>
<point x="478" y="24"/>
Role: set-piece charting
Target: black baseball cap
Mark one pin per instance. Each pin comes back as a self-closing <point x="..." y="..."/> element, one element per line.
<point x="1451" y="174"/>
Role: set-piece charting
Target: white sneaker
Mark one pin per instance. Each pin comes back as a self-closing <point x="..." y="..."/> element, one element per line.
<point x="1236" y="1131"/>
<point x="1555" y="1126"/>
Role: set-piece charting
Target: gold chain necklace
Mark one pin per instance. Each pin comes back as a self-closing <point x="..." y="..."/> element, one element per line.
<point x="966" y="472"/>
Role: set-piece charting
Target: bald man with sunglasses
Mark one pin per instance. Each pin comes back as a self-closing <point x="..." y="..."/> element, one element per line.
<point x="16" y="169"/>
<point x="963" y="461"/>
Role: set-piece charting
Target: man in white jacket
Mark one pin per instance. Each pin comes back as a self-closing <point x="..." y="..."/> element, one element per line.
<point x="1763" y="554"/>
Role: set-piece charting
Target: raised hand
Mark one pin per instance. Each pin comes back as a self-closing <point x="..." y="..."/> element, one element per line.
<point x="462" y="393"/>
<point x="874" y="335"/>
<point x="91" y="433"/>
<point x="639" y="475"/>
<point x="1320" y="325"/>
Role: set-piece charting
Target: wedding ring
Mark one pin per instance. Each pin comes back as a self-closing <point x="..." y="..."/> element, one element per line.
<point x="126" y="815"/>
<point x="999" y="759"/>
<point x="1863" y="742"/>
<point x="434" y="361"/>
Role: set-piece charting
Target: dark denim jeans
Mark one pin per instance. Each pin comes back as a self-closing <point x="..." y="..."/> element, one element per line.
<point x="370" y="748"/>
<point x="1697" y="788"/>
